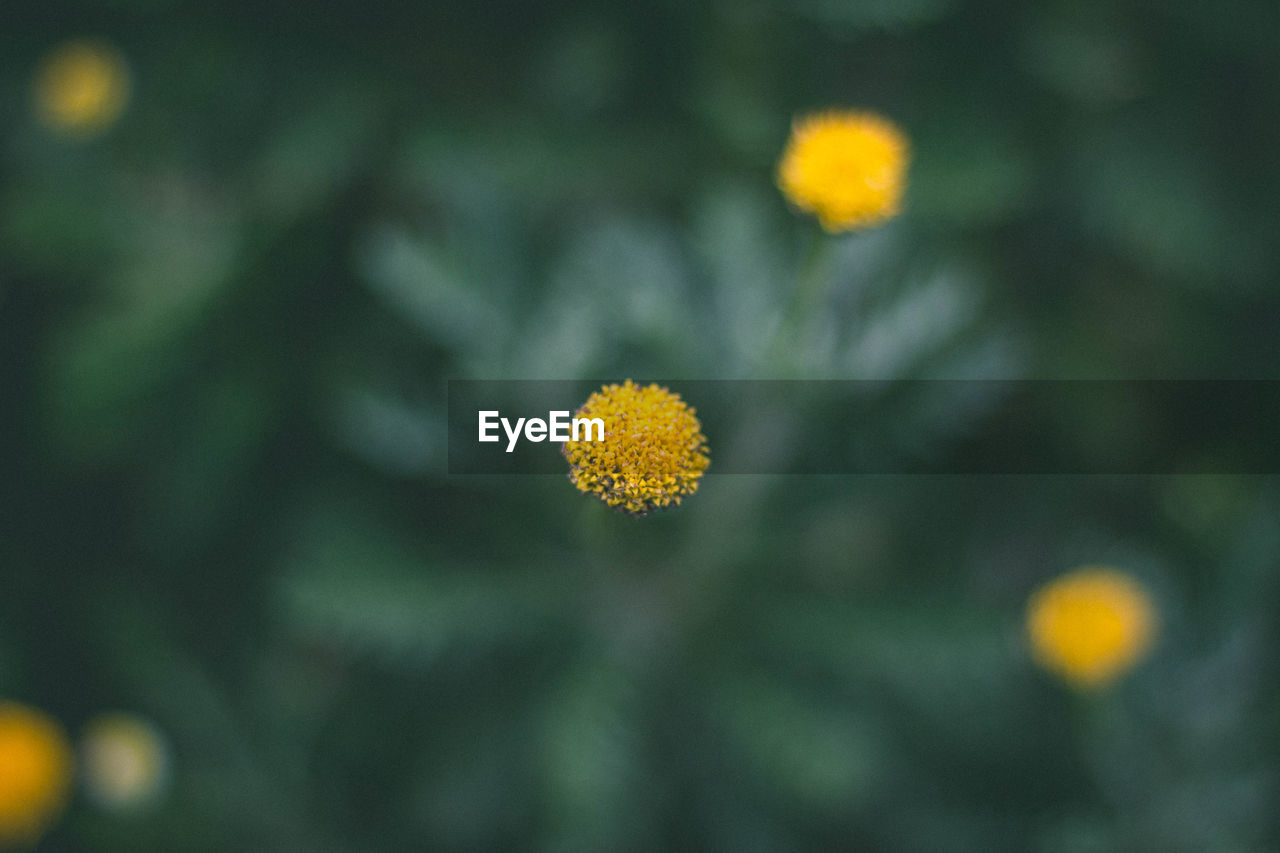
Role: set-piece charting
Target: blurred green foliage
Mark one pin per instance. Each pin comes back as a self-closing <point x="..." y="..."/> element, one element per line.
<point x="226" y="325"/>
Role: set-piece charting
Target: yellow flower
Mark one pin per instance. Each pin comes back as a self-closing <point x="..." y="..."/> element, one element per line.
<point x="847" y="168"/>
<point x="35" y="772"/>
<point x="653" y="452"/>
<point x="125" y="761"/>
<point x="1090" y="625"/>
<point x="81" y="87"/>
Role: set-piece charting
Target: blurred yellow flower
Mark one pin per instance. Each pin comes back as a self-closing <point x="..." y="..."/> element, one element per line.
<point x="1090" y="625"/>
<point x="81" y="87"/>
<point x="35" y="772"/>
<point x="125" y="761"/>
<point x="847" y="168"/>
<point x="653" y="452"/>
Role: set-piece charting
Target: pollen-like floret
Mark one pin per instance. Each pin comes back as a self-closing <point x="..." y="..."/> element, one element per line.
<point x="653" y="452"/>
<point x="847" y="168"/>
<point x="1090" y="625"/>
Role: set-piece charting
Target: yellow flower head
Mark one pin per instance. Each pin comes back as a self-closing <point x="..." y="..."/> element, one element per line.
<point x="125" y="761"/>
<point x="847" y="168"/>
<point x="1090" y="625"/>
<point x="81" y="87"/>
<point x="653" y="452"/>
<point x="35" y="772"/>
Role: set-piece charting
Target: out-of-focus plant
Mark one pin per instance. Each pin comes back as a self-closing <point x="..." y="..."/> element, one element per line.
<point x="847" y="168"/>
<point x="1090" y="626"/>
<point x="81" y="87"/>
<point x="36" y="770"/>
<point x="125" y="762"/>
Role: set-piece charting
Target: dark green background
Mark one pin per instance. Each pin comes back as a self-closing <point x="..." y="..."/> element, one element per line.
<point x="225" y="327"/>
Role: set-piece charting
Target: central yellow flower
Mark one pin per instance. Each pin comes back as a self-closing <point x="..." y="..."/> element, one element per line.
<point x="82" y="87"/>
<point x="653" y="452"/>
<point x="1090" y="625"/>
<point x="35" y="772"/>
<point x="848" y="168"/>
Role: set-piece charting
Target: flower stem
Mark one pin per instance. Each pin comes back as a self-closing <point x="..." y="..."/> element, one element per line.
<point x="811" y="284"/>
